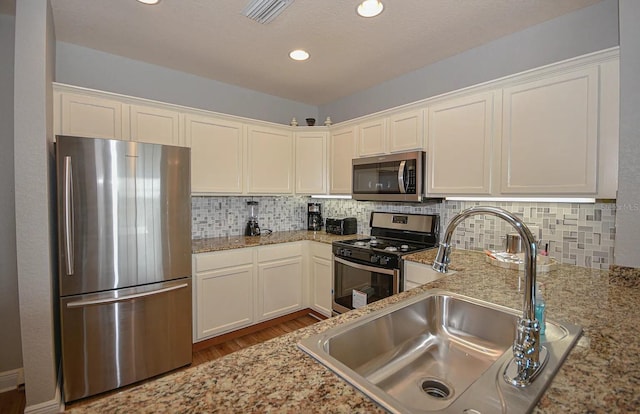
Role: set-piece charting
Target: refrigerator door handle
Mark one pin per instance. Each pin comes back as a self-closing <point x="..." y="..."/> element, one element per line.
<point x="82" y="303"/>
<point x="68" y="216"/>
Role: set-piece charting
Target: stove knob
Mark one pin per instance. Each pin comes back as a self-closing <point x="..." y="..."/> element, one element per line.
<point x="347" y="252"/>
<point x="384" y="260"/>
<point x="405" y="247"/>
<point x="374" y="258"/>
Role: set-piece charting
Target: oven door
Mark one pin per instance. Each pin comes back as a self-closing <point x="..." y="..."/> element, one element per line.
<point x="370" y="283"/>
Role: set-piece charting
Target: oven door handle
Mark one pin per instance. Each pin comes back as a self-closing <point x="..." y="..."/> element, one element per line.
<point x="365" y="267"/>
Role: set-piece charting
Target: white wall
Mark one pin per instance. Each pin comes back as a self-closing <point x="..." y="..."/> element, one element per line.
<point x="627" y="250"/>
<point x="81" y="66"/>
<point x="11" y="355"/>
<point x="35" y="230"/>
<point x="583" y="31"/>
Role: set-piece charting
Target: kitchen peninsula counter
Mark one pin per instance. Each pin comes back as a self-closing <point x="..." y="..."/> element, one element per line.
<point x="214" y="244"/>
<point x="601" y="374"/>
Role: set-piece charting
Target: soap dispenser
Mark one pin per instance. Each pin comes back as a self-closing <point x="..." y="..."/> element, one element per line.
<point x="540" y="308"/>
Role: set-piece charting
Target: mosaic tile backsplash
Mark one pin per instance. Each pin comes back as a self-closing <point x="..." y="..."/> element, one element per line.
<point x="578" y="234"/>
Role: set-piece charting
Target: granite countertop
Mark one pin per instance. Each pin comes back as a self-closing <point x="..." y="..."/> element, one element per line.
<point x="235" y="242"/>
<point x="601" y="374"/>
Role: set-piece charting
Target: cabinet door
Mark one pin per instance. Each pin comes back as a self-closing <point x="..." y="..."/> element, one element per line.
<point x="280" y="280"/>
<point x="550" y="134"/>
<point x="311" y="162"/>
<point x="373" y="137"/>
<point x="89" y="116"/>
<point x="417" y="274"/>
<point x="321" y="277"/>
<point x="270" y="161"/>
<point x="217" y="151"/>
<point x="154" y="125"/>
<point x="224" y="300"/>
<point x="343" y="151"/>
<point x="406" y="131"/>
<point x="460" y="150"/>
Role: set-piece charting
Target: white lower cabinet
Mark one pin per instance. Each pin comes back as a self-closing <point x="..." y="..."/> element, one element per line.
<point x="280" y="280"/>
<point x="320" y="277"/>
<point x="241" y="287"/>
<point x="417" y="274"/>
<point x="224" y="292"/>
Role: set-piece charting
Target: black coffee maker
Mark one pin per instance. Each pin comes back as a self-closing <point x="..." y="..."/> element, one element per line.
<point x="314" y="216"/>
<point x="252" y="229"/>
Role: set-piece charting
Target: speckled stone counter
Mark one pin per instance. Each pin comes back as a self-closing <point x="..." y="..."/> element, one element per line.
<point x="236" y="242"/>
<point x="601" y="374"/>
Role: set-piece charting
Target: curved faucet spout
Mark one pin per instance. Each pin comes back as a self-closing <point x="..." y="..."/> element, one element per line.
<point x="529" y="355"/>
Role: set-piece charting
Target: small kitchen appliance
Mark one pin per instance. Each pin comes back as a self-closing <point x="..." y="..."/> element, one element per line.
<point x="314" y="216"/>
<point x="393" y="177"/>
<point x="252" y="228"/>
<point x="341" y="226"/>
<point x="369" y="269"/>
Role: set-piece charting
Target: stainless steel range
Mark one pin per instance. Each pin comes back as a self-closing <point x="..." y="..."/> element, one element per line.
<point x="370" y="269"/>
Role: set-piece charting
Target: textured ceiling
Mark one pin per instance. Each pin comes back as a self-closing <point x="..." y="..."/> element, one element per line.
<point x="213" y="39"/>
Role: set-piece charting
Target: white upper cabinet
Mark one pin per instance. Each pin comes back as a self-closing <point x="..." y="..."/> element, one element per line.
<point x="311" y="162"/>
<point x="461" y="136"/>
<point x="550" y="135"/>
<point x="269" y="160"/>
<point x="154" y="125"/>
<point x="373" y="137"/>
<point x="609" y="129"/>
<point x="88" y="116"/>
<point x="342" y="150"/>
<point x="406" y="131"/>
<point x="217" y="154"/>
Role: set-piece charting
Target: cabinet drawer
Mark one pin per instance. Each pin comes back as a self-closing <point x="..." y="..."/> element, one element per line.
<point x="280" y="251"/>
<point x="226" y="258"/>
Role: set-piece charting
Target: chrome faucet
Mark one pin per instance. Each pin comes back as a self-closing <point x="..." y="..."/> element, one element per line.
<point x="529" y="356"/>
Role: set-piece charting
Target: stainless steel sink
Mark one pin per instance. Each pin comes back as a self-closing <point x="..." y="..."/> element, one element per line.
<point x="438" y="351"/>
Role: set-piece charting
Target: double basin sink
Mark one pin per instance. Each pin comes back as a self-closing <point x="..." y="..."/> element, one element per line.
<point x="438" y="352"/>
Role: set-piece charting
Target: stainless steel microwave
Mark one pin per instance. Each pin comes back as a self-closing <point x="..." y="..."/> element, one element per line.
<point x="393" y="177"/>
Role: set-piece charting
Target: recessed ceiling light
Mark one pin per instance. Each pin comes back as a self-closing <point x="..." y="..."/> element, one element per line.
<point x="299" y="54"/>
<point x="151" y="2"/>
<point x="370" y="8"/>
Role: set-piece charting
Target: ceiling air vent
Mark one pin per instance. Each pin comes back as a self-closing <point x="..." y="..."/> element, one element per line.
<point x="264" y="11"/>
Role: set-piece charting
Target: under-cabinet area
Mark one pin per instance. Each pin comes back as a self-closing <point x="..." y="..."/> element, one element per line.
<point x="243" y="286"/>
<point x="546" y="132"/>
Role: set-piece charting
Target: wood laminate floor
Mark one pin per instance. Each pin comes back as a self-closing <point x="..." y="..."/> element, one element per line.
<point x="13" y="402"/>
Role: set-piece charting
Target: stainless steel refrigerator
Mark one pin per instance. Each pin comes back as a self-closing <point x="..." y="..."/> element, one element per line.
<point x="124" y="217"/>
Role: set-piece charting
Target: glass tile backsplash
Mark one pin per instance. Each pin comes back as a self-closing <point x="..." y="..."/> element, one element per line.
<point x="579" y="234"/>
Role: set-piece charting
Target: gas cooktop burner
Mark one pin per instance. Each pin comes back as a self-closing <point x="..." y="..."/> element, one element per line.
<point x="377" y="244"/>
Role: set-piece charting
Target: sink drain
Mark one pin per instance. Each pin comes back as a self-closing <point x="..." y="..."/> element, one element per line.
<point x="436" y="389"/>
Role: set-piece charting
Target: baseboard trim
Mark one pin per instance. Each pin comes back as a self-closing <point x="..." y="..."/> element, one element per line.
<point x="10" y="380"/>
<point x="54" y="406"/>
<point x="199" y="346"/>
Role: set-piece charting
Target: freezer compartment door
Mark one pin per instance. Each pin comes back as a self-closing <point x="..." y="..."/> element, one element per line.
<point x="116" y="338"/>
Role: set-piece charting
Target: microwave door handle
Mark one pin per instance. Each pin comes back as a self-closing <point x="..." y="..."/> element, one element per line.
<point x="401" y="185"/>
